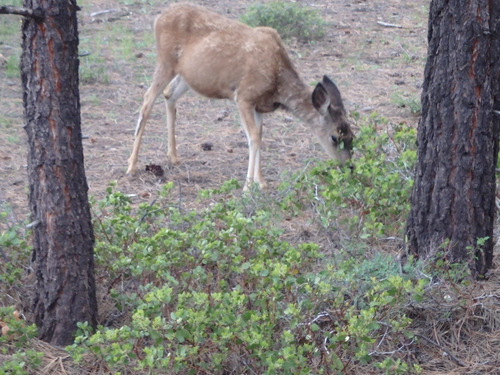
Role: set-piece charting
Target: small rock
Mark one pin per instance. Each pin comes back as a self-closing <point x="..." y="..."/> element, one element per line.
<point x="207" y="146"/>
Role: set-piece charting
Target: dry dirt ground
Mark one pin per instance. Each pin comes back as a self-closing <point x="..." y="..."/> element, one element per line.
<point x="377" y="68"/>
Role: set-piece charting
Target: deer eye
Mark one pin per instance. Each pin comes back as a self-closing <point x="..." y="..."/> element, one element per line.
<point x="335" y="140"/>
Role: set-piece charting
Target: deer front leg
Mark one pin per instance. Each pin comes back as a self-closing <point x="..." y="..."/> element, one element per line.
<point x="149" y="99"/>
<point x="257" y="168"/>
<point x="161" y="78"/>
<point x="172" y="146"/>
<point x="175" y="89"/>
<point x="252" y="124"/>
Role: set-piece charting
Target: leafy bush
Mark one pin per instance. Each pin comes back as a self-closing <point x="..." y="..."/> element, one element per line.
<point x="16" y="354"/>
<point x="373" y="200"/>
<point x="412" y="102"/>
<point x="291" y="20"/>
<point x="15" y="255"/>
<point x="219" y="291"/>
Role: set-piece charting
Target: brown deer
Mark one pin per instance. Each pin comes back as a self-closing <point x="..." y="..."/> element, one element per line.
<point x="224" y="59"/>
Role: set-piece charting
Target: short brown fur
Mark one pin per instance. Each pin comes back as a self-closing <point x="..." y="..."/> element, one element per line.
<point x="225" y="59"/>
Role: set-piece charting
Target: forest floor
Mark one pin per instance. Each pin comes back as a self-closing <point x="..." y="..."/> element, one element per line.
<point x="374" y="50"/>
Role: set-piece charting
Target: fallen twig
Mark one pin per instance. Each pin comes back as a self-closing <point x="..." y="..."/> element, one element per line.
<point x="95" y="14"/>
<point x="385" y="24"/>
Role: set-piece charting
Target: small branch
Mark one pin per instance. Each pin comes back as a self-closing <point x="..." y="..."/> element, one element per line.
<point x="484" y="296"/>
<point x="400" y="349"/>
<point x="33" y="224"/>
<point x="37" y="14"/>
<point x="385" y="24"/>
<point x="148" y="212"/>
<point x="95" y="14"/>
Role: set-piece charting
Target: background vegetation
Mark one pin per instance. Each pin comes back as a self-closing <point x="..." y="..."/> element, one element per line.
<point x="289" y="19"/>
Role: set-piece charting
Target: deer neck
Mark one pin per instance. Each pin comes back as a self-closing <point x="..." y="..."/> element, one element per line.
<point x="295" y="95"/>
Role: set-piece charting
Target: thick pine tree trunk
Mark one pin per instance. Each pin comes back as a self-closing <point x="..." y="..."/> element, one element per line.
<point x="63" y="238"/>
<point x="453" y="199"/>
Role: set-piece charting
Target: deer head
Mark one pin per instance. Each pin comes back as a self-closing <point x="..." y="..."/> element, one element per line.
<point x="334" y="132"/>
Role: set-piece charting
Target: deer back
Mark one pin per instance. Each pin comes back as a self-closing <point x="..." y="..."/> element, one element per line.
<point x="219" y="57"/>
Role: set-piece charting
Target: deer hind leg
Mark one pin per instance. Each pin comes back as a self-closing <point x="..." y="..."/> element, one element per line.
<point x="161" y="78"/>
<point x="175" y="89"/>
<point x="252" y="124"/>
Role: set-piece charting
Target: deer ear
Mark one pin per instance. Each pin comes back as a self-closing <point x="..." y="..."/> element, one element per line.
<point x="320" y="99"/>
<point x="333" y="92"/>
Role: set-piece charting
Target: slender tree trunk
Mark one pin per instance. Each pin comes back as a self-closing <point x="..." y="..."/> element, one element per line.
<point x="63" y="238"/>
<point x="453" y="199"/>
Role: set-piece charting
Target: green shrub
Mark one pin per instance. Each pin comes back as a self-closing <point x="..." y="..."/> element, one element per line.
<point x="410" y="101"/>
<point x="15" y="257"/>
<point x="218" y="290"/>
<point x="17" y="354"/>
<point x="291" y="20"/>
<point x="373" y="200"/>
<point x="15" y="346"/>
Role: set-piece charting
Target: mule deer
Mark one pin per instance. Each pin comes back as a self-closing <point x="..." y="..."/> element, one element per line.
<point x="225" y="59"/>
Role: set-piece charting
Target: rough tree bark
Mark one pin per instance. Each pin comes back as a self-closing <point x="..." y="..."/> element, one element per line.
<point x="453" y="199"/>
<point x="62" y="237"/>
